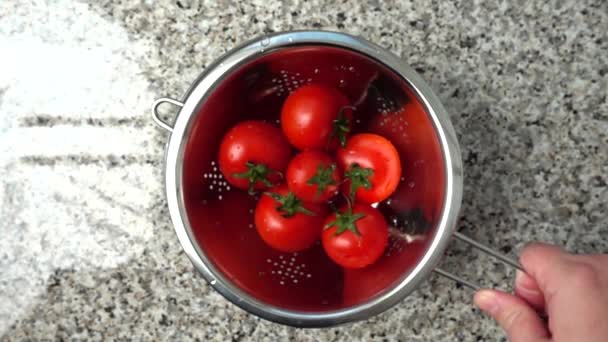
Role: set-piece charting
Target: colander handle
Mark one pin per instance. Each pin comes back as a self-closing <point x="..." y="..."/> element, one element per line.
<point x="160" y="122"/>
<point x="483" y="248"/>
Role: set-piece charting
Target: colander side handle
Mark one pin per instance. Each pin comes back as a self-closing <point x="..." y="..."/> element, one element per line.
<point x="507" y="260"/>
<point x="156" y="116"/>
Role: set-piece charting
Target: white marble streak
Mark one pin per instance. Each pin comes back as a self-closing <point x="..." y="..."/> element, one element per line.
<point x="67" y="64"/>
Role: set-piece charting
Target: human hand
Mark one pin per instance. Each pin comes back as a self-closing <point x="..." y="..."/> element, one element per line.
<point x="571" y="290"/>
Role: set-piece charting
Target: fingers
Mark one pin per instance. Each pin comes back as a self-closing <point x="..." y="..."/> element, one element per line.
<point x="546" y="264"/>
<point x="514" y="315"/>
<point x="574" y="288"/>
<point x="527" y="288"/>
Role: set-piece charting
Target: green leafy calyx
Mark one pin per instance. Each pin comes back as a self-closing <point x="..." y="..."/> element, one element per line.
<point x="289" y="204"/>
<point x="323" y="178"/>
<point x="255" y="173"/>
<point x="345" y="221"/>
<point x="359" y="177"/>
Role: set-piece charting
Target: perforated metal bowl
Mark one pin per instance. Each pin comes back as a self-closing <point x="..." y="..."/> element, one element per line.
<point x="208" y="109"/>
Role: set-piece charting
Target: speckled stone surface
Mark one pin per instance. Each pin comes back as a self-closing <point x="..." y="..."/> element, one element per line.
<point x="87" y="250"/>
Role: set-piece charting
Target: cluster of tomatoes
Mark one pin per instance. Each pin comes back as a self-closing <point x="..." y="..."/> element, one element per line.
<point x="325" y="191"/>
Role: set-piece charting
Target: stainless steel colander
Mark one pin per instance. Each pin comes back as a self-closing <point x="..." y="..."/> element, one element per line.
<point x="204" y="208"/>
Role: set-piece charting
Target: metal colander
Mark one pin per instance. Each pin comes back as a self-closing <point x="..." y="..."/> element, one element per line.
<point x="214" y="222"/>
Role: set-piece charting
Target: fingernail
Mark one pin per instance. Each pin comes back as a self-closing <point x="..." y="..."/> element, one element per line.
<point x="523" y="282"/>
<point x="486" y="301"/>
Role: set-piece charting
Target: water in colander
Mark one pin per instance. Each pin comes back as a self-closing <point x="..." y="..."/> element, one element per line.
<point x="221" y="216"/>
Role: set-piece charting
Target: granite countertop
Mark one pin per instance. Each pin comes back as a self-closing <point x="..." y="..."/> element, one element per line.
<point x="87" y="250"/>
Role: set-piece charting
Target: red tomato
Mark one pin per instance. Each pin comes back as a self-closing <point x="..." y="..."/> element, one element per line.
<point x="371" y="166"/>
<point x="413" y="135"/>
<point x="316" y="117"/>
<point x="313" y="176"/>
<point x="355" y="238"/>
<point x="286" y="223"/>
<point x="253" y="155"/>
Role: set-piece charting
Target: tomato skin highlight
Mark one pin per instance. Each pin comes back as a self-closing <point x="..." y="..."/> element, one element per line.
<point x="288" y="234"/>
<point x="255" y="142"/>
<point x="371" y="151"/>
<point x="308" y="116"/>
<point x="351" y="250"/>
<point x="303" y="176"/>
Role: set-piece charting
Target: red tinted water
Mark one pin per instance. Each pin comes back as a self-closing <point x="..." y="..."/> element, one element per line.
<point x="222" y="217"/>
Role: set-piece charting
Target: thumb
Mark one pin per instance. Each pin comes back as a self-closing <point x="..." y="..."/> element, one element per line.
<point x="514" y="315"/>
